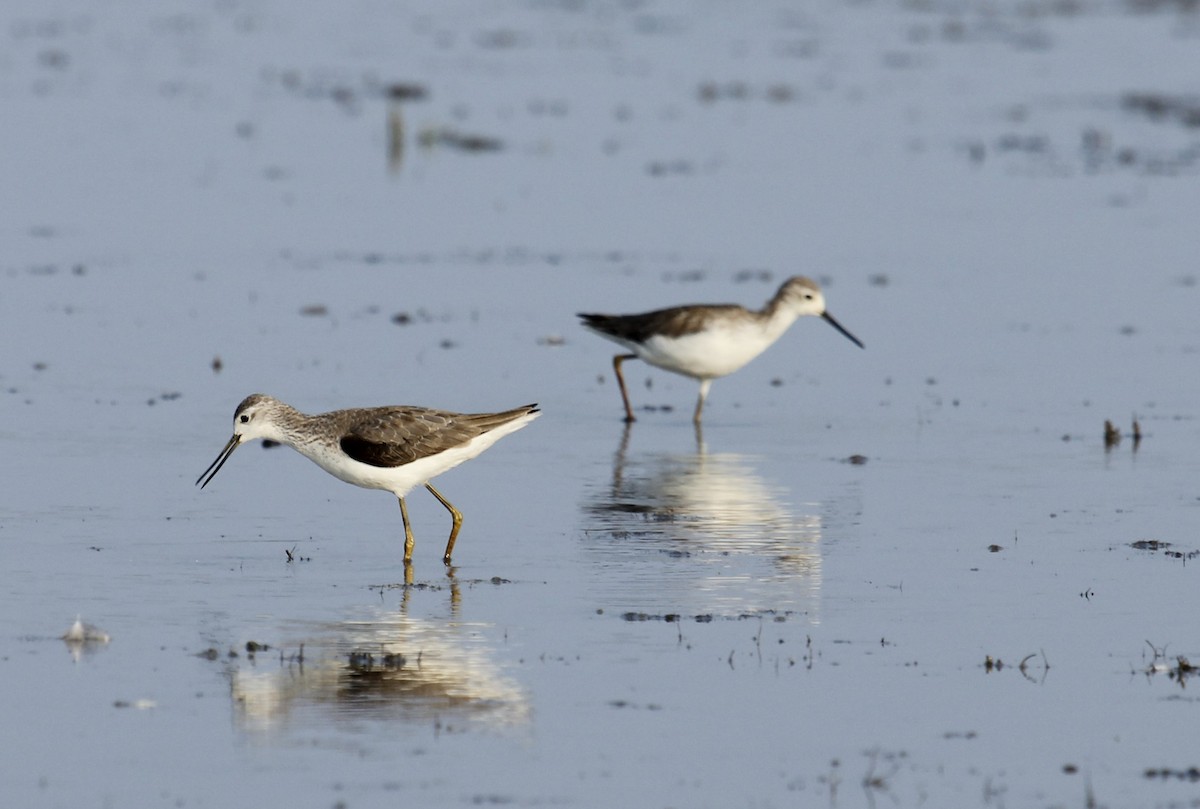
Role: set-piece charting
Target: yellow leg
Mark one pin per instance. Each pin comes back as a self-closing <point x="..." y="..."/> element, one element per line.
<point x="705" y="384"/>
<point x="455" y="515"/>
<point x="617" y="360"/>
<point x="408" y="537"/>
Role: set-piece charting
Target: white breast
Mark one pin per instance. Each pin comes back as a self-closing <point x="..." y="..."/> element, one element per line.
<point x="712" y="353"/>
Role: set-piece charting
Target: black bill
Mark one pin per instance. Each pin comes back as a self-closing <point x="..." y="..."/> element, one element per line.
<point x="216" y="465"/>
<point x="829" y="319"/>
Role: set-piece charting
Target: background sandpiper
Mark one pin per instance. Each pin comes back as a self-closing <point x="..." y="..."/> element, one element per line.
<point x="706" y="341"/>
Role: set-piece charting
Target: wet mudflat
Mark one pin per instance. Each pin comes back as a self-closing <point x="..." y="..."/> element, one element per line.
<point x="913" y="575"/>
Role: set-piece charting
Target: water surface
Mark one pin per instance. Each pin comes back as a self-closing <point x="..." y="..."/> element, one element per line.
<point x="381" y="204"/>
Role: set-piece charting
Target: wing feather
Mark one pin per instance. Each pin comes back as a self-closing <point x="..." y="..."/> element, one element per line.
<point x="395" y="436"/>
<point x="678" y="321"/>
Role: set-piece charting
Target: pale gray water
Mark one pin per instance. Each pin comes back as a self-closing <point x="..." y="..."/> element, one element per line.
<point x="1000" y="201"/>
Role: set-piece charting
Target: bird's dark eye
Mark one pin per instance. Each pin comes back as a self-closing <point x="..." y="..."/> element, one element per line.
<point x="244" y="418"/>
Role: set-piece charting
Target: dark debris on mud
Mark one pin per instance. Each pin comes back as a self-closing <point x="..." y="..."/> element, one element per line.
<point x="1178" y="670"/>
<point x="1112" y="435"/>
<point x="1165" y="548"/>
<point x="705" y="618"/>
<point x="995" y="664"/>
<point x="1164" y="107"/>
<point x="252" y="648"/>
<point x="1170" y="774"/>
<point x="451" y="582"/>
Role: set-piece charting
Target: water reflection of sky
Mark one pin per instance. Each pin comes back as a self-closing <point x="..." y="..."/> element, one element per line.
<point x="721" y="538"/>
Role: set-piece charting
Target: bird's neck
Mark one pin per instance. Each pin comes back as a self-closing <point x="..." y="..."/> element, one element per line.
<point x="777" y="315"/>
<point x="289" y="427"/>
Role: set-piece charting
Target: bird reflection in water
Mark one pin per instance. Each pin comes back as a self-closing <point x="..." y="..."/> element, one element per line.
<point x="386" y="667"/>
<point x="729" y="540"/>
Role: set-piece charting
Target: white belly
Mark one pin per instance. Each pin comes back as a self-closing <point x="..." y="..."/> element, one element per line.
<point x="709" y="354"/>
<point x="401" y="479"/>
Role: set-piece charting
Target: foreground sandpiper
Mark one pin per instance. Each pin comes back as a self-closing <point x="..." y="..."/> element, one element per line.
<point x="389" y="448"/>
<point x="706" y="341"/>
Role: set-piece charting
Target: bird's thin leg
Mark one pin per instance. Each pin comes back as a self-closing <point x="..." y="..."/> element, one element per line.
<point x="617" y="360"/>
<point x="408" y="537"/>
<point x="705" y="384"/>
<point x="455" y="515"/>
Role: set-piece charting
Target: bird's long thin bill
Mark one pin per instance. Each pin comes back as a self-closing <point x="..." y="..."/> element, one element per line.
<point x="216" y="465"/>
<point x="829" y="319"/>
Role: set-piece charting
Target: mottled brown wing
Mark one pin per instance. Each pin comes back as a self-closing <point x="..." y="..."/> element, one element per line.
<point x="674" y="322"/>
<point x="396" y="436"/>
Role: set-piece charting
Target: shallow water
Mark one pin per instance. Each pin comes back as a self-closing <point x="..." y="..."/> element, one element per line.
<point x="206" y="202"/>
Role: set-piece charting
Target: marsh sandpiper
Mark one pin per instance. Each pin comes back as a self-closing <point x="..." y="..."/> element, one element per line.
<point x="390" y="448"/>
<point x="707" y="341"/>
